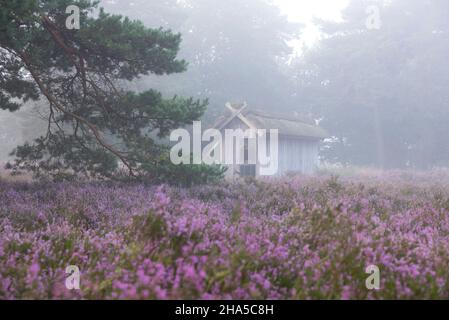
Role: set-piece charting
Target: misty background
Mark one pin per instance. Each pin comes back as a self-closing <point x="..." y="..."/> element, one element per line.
<point x="380" y="92"/>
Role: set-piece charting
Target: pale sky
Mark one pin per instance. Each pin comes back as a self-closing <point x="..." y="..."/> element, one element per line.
<point x="305" y="10"/>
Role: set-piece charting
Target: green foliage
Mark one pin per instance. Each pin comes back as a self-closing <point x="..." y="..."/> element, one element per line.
<point x="188" y="175"/>
<point x="95" y="125"/>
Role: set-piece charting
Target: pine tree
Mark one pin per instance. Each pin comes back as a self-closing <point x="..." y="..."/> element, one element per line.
<point x="95" y="124"/>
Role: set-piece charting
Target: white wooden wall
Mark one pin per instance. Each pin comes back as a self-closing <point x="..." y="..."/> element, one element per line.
<point x="297" y="155"/>
<point x="294" y="154"/>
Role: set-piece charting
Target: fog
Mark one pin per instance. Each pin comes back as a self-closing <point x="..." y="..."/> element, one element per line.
<point x="376" y="80"/>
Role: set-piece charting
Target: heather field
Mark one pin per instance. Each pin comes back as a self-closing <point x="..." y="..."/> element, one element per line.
<point x="294" y="238"/>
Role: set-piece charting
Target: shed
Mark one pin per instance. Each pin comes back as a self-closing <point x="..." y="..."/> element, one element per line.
<point x="298" y="139"/>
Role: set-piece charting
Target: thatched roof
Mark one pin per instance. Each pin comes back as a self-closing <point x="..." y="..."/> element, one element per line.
<point x="294" y="126"/>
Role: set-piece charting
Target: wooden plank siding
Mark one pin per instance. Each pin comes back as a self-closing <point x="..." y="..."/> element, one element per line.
<point x="295" y="154"/>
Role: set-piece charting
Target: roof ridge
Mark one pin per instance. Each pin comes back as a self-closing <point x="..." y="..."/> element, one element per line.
<point x="302" y="119"/>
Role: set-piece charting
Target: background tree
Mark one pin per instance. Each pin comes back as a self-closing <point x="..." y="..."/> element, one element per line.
<point x="382" y="92"/>
<point x="95" y="124"/>
<point x="238" y="50"/>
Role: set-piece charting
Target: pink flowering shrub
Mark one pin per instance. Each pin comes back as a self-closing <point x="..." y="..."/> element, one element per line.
<point x="294" y="238"/>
